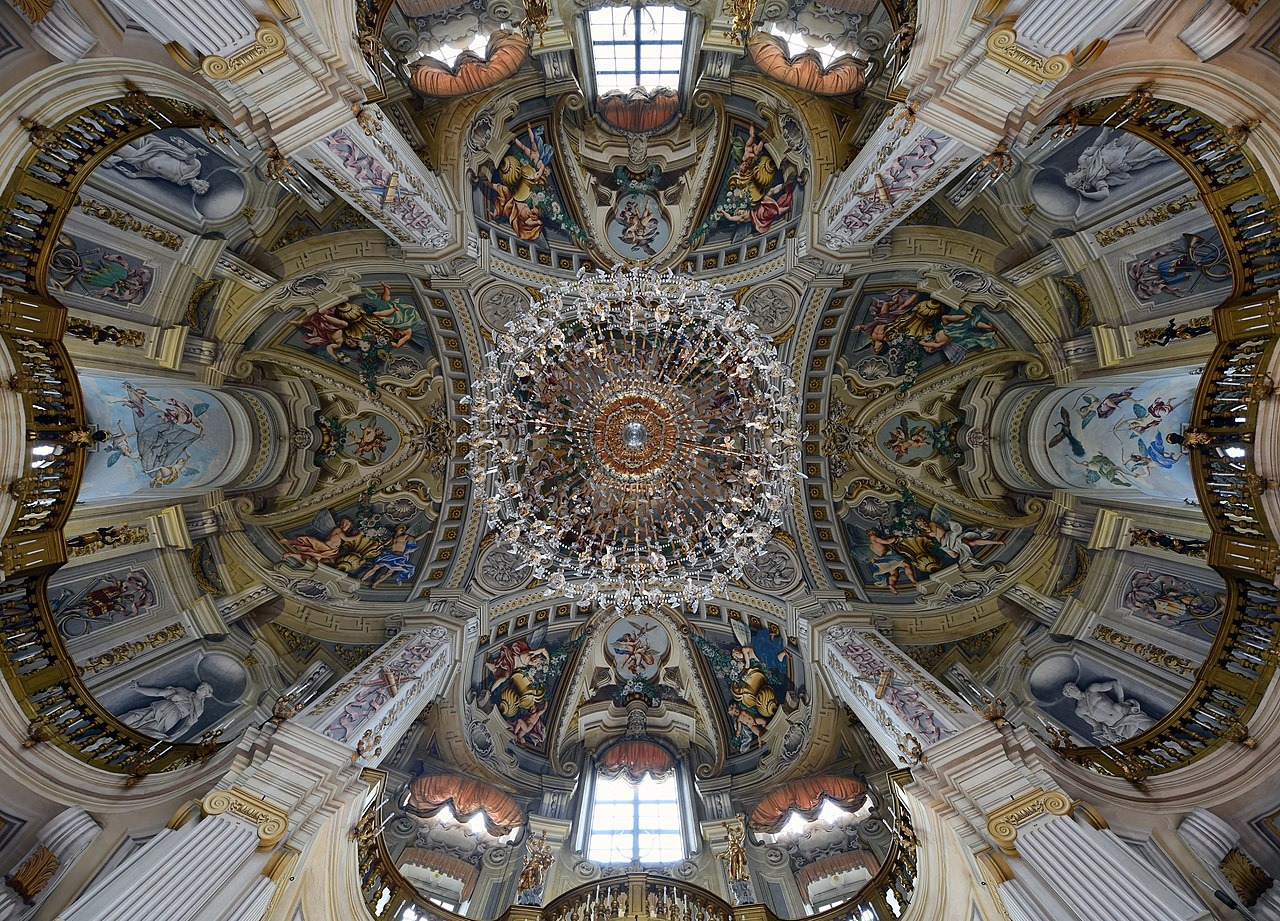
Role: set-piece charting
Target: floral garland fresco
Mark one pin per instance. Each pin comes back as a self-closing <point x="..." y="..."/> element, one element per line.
<point x="378" y="332"/>
<point x="377" y="540"/>
<point x="911" y="439"/>
<point x="381" y="181"/>
<point x="367" y="438"/>
<point x="895" y="171"/>
<point x="639" y="225"/>
<point x="520" y="194"/>
<point x="897" y="544"/>
<point x="755" y="192"/>
<point x="758" y="678"/>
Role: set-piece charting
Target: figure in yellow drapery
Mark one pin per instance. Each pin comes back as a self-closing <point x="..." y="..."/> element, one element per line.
<point x="520" y="178"/>
<point x="753" y="192"/>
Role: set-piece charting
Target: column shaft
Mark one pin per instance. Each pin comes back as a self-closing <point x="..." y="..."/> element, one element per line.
<point x="1091" y="871"/>
<point x="175" y="881"/>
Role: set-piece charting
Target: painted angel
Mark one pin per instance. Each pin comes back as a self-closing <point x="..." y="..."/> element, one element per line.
<point x="308" y="549"/>
<point x="888" y="566"/>
<point x="955" y="539"/>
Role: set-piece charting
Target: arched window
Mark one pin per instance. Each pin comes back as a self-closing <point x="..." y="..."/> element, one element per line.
<point x="635" y="808"/>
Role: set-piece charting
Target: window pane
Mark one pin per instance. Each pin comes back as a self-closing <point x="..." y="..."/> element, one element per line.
<point x="610" y="816"/>
<point x="635" y="821"/>
<point x="660" y="848"/>
<point x="619" y="34"/>
<point x="617" y="847"/>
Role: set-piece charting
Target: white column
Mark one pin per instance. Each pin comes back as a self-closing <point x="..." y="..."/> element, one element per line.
<point x="1057" y="27"/>
<point x="63" y="34"/>
<point x="207" y="26"/>
<point x="1093" y="873"/>
<point x="1211" y="838"/>
<point x="368" y="710"/>
<point x="897" y="170"/>
<point x="1208" y="836"/>
<point x="374" y="168"/>
<point x="1215" y="28"/>
<point x="174" y="876"/>
<point x="65" y="836"/>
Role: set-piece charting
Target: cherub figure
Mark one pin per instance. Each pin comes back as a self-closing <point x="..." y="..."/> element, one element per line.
<point x="745" y="719"/>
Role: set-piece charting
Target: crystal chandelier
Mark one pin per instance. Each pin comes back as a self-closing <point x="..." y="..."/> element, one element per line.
<point x="633" y="438"/>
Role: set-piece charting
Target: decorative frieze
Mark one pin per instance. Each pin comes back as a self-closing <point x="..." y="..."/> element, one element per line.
<point x="1157" y="214"/>
<point x="112" y="536"/>
<point x="118" y="655"/>
<point x="124" y="220"/>
<point x="1148" y="652"/>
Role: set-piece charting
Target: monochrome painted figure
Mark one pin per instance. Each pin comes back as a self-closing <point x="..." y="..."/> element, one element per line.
<point x="176" y="711"/>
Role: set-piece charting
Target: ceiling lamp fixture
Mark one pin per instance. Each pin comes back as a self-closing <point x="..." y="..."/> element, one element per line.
<point x="634" y="439"/>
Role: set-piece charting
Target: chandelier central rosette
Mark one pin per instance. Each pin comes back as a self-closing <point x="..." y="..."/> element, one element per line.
<point x="634" y="439"/>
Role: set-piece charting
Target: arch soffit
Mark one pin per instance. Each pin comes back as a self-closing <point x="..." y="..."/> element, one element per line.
<point x="1221" y="94"/>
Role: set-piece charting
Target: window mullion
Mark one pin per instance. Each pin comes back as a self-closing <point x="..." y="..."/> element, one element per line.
<point x="637" y="20"/>
<point x="635" y="791"/>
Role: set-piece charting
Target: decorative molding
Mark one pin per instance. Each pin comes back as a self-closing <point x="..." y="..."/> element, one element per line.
<point x="101" y="538"/>
<point x="1148" y="652"/>
<point x="118" y="655"/>
<point x="33" y="874"/>
<point x="1003" y="823"/>
<point x="1247" y="879"/>
<point x="271" y="821"/>
<point x="268" y="45"/>
<point x="1154" y="215"/>
<point x="125" y="221"/>
<point x="1002" y="45"/>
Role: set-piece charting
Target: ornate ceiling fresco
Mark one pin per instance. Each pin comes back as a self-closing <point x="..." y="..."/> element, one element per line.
<point x="974" y="390"/>
<point x="355" y="359"/>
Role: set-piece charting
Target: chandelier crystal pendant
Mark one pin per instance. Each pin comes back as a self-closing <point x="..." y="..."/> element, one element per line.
<point x="634" y="439"/>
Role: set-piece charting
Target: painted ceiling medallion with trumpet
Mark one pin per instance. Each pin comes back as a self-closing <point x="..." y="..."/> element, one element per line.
<point x="635" y="439"/>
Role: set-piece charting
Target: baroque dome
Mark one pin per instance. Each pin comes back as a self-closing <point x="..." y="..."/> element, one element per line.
<point x="543" y="494"/>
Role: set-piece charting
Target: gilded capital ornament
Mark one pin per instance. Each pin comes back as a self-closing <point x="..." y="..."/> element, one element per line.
<point x="1003" y="823"/>
<point x="271" y="821"/>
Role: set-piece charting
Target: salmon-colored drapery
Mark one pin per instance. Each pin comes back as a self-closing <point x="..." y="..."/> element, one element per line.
<point x="465" y="797"/>
<point x="471" y="74"/>
<point x="635" y="758"/>
<point x="638" y="112"/>
<point x="806" y="796"/>
<point x="806" y="71"/>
